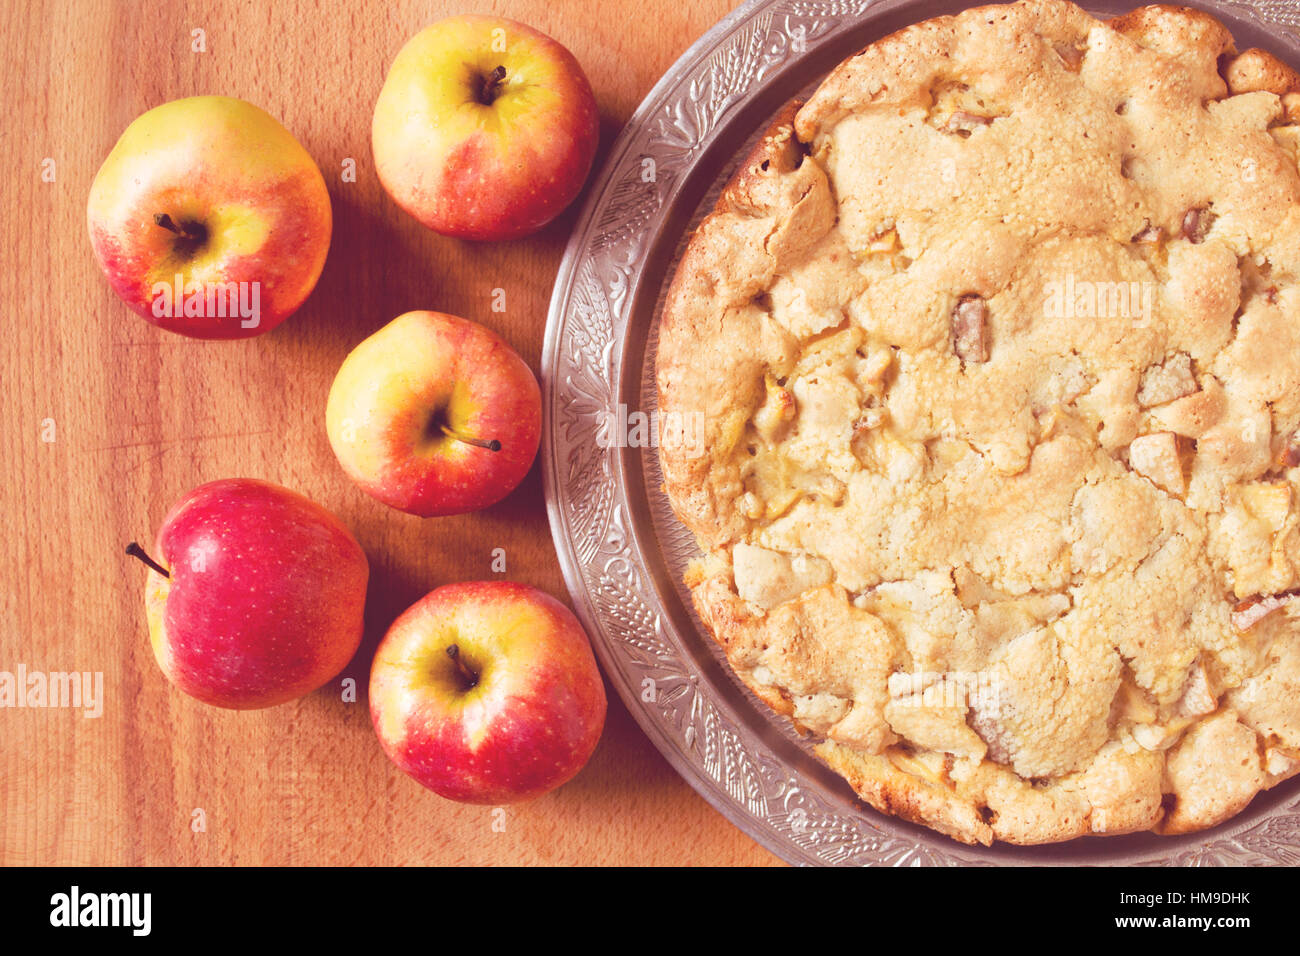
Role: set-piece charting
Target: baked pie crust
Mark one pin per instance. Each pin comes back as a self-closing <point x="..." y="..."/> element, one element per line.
<point x="994" y="346"/>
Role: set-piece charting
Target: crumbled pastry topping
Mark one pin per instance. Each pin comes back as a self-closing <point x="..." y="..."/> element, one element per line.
<point x="1000" y="386"/>
<point x="767" y="578"/>
<point x="1169" y="380"/>
<point x="1158" y="458"/>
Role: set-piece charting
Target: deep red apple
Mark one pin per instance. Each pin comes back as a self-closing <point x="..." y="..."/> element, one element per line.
<point x="487" y="692"/>
<point x="255" y="594"/>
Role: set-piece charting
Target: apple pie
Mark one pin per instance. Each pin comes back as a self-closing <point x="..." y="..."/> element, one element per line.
<point x="994" y="348"/>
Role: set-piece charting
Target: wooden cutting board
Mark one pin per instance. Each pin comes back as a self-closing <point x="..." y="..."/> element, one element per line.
<point x="107" y="421"/>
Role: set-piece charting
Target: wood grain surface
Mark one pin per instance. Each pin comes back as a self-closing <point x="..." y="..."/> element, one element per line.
<point x="107" y="421"/>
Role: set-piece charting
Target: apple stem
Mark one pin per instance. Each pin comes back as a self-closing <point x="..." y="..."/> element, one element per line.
<point x="491" y="444"/>
<point x="185" y="232"/>
<point x="468" y="677"/>
<point x="136" y="551"/>
<point x="491" y="87"/>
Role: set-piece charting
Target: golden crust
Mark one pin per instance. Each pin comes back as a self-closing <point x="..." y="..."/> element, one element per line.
<point x="1176" y="31"/>
<point x="693" y="481"/>
<point x="911" y="796"/>
<point x="979" y="390"/>
<point x="1256" y="70"/>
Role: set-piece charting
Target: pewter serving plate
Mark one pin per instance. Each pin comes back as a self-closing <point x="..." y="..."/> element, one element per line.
<point x="622" y="550"/>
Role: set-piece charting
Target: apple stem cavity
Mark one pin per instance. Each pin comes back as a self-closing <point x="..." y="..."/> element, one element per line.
<point x="491" y="444"/>
<point x="136" y="551"/>
<point x="490" y="86"/>
<point x="191" y="234"/>
<point x="468" y="679"/>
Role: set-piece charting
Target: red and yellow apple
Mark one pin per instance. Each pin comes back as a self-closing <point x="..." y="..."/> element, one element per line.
<point x="255" y="594"/>
<point x="435" y="415"/>
<point x="209" y="219"/>
<point x="485" y="128"/>
<point x="487" y="692"/>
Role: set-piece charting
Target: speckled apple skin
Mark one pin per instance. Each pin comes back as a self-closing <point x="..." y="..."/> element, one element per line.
<point x="475" y="171"/>
<point x="232" y="166"/>
<point x="389" y="386"/>
<point x="529" y="725"/>
<point x="266" y="596"/>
